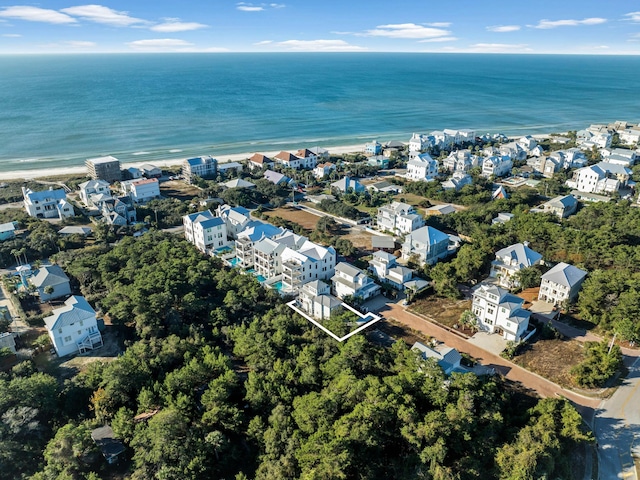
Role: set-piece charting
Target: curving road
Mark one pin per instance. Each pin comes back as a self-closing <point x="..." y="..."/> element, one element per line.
<point x="617" y="429"/>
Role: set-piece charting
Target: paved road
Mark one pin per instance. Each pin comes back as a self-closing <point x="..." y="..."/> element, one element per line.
<point x="542" y="386"/>
<point x="617" y="429"/>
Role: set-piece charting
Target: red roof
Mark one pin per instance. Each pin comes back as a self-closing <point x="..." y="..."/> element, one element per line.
<point x="305" y="152"/>
<point x="146" y="181"/>
<point x="287" y="157"/>
<point x="260" y="158"/>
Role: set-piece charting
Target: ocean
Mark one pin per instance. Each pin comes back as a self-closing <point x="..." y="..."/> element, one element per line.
<point x="56" y="111"/>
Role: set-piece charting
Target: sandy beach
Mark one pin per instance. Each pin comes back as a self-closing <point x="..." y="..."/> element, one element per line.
<point x="79" y="170"/>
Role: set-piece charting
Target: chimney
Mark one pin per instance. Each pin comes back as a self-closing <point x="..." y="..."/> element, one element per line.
<point x="526" y="243"/>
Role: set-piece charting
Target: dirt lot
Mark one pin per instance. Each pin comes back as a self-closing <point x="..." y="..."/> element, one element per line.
<point x="401" y="332"/>
<point x="552" y="359"/>
<point x="301" y="217"/>
<point x="179" y="189"/>
<point x="444" y="311"/>
<point x="359" y="238"/>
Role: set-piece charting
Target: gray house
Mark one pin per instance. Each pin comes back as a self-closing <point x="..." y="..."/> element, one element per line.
<point x="51" y="276"/>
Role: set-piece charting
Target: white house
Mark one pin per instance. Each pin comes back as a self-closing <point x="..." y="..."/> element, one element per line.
<point x="422" y="167"/>
<point x="511" y="260"/>
<point x="448" y="358"/>
<point x="288" y="160"/>
<point x="207" y="232"/>
<point x="309" y="262"/>
<point x="602" y="177"/>
<point x="347" y="184"/>
<point x="141" y="191"/>
<point x="323" y="169"/>
<point x="47" y="203"/>
<point x="308" y="158"/>
<point x="385" y="267"/>
<point x="461" y="161"/>
<point x="254" y="232"/>
<point x="238" y="183"/>
<point x="315" y="298"/>
<point x="630" y="136"/>
<point x="203" y="167"/>
<point x="496" y="165"/>
<point x="419" y="143"/>
<point x="429" y="244"/>
<point x="51" y="276"/>
<point x="498" y="311"/>
<point x="258" y="161"/>
<point x="399" y="218"/>
<point x="73" y="328"/>
<point x="236" y="219"/>
<point x="561" y="283"/>
<point x="93" y="192"/>
<point x="118" y="211"/>
<point x="150" y="171"/>
<point x="350" y="281"/>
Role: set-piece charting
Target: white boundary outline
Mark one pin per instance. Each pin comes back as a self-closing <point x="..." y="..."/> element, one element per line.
<point x="376" y="318"/>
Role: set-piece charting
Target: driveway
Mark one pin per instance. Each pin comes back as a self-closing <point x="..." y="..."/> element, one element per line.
<point x="491" y="343"/>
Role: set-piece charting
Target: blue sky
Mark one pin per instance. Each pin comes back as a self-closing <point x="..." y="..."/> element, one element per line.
<point x="500" y="26"/>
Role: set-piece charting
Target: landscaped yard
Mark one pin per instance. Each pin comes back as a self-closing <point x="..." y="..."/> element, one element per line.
<point x="552" y="359"/>
<point x="444" y="311"/>
<point x="301" y="217"/>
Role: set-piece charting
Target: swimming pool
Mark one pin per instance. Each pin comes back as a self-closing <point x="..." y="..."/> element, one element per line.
<point x="234" y="261"/>
<point x="277" y="286"/>
<point x="261" y="279"/>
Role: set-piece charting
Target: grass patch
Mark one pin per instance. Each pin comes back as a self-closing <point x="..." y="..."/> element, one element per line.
<point x="179" y="189"/>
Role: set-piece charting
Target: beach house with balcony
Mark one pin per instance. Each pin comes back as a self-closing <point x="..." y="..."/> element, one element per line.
<point x="73" y="328"/>
<point x="308" y="158"/>
<point x="94" y="192"/>
<point x="511" y="260"/>
<point x="258" y="161"/>
<point x="254" y="232"/>
<point x="323" y="169"/>
<point x="398" y="218"/>
<point x="562" y="206"/>
<point x="47" y="203"/>
<point x="206" y="231"/>
<point x="288" y="160"/>
<point x="118" y="211"/>
<point x="428" y="244"/>
<point x="561" y="284"/>
<point x="498" y="311"/>
<point x="142" y="190"/>
<point x="350" y="281"/>
<point x="310" y="262"/>
<point x="419" y="143"/>
<point x="316" y="300"/>
<point x="373" y="148"/>
<point x="236" y="219"/>
<point x="422" y="168"/>
<point x="203" y="167"/>
<point x="498" y="166"/>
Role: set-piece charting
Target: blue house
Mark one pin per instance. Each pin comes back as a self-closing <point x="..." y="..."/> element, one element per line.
<point x="346" y="184"/>
<point x="373" y="148"/>
<point x="7" y="231"/>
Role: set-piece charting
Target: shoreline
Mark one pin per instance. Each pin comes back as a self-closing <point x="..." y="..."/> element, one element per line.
<point x="17" y="175"/>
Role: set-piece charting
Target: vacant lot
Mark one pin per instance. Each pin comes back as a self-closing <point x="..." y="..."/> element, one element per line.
<point x="552" y="359"/>
<point x="359" y="238"/>
<point x="441" y="310"/>
<point x="301" y="217"/>
<point x="179" y="189"/>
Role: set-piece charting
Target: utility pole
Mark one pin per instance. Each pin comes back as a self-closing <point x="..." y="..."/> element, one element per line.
<point x="612" y="342"/>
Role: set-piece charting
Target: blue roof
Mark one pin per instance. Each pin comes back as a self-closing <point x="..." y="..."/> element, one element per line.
<point x="200" y="160"/>
<point x="212" y="222"/>
<point x="58" y="194"/>
<point x="263" y="230"/>
<point x="205" y="214"/>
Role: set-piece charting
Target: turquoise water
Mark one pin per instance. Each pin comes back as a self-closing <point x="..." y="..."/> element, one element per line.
<point x="277" y="286"/>
<point x="234" y="261"/>
<point x="59" y="110"/>
<point x="261" y="279"/>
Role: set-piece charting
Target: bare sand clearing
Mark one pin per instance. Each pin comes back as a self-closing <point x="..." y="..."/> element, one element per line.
<point x="79" y="170"/>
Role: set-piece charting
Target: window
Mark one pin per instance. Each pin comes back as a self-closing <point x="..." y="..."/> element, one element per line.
<point x="59" y="330"/>
<point x="490" y="311"/>
<point x="67" y="339"/>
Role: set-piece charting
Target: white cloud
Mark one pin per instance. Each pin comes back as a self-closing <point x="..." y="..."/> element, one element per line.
<point x="406" y="30"/>
<point x="249" y="8"/>
<point x="438" y="39"/>
<point x="499" y="47"/>
<point x="36" y="14"/>
<point x="264" y="42"/>
<point x="602" y="47"/>
<point x="171" y="45"/>
<point x="277" y="5"/>
<point x="11" y="35"/>
<point x="104" y="15"/>
<point x="503" y="28"/>
<point x="439" y="24"/>
<point x="80" y="44"/>
<point x="319" y="46"/>
<point x="547" y="24"/>
<point x="633" y="16"/>
<point x="159" y="43"/>
<point x="177" y="26"/>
